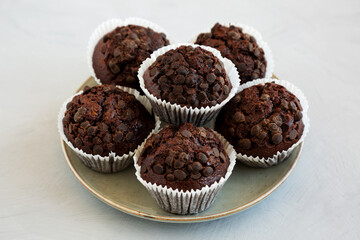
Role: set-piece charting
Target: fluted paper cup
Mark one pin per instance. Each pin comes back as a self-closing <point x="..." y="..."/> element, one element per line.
<point x="112" y="163"/>
<point x="176" y="114"/>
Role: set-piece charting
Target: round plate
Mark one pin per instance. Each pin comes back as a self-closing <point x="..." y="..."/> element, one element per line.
<point x="245" y="187"/>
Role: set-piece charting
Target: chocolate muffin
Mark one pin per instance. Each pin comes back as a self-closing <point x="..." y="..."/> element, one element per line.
<point x="188" y="76"/>
<point x="183" y="157"/>
<point x="262" y="120"/>
<point x="241" y="48"/>
<point x="119" y="54"/>
<point x="105" y="119"/>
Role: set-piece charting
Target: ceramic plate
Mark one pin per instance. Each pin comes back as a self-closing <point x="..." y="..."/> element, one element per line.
<point x="245" y="187"/>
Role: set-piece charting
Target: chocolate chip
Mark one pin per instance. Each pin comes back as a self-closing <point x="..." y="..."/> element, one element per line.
<point x="257" y="52"/>
<point x="273" y="127"/>
<point x="255" y="76"/>
<point x="118" y="137"/>
<point x="183" y="156"/>
<point x="182" y="70"/>
<point x="264" y="97"/>
<point x="130" y="114"/>
<point x="69" y="105"/>
<point x="265" y="121"/>
<point x="241" y="67"/>
<point x="114" y="68"/>
<point x="202" y="96"/>
<point x="202" y="157"/>
<point x="103" y="127"/>
<point x="207" y="171"/>
<point x="196" y="166"/>
<point x="216" y="152"/>
<point x="277" y="138"/>
<point x="170" y="177"/>
<point x="238" y="117"/>
<point x="163" y="80"/>
<point x="277" y="120"/>
<point x="213" y="103"/>
<point x="204" y="85"/>
<point x="179" y="79"/>
<point x="121" y="104"/>
<point x="236" y="99"/>
<point x="177" y="89"/>
<point x="221" y="80"/>
<point x="122" y="127"/>
<point x="216" y="88"/>
<point x="293" y="106"/>
<point x="143" y="169"/>
<point x="191" y="91"/>
<point x="234" y="35"/>
<point x="250" y="47"/>
<point x="97" y="149"/>
<point x="91" y="131"/>
<point x="244" y="143"/>
<point x="181" y="100"/>
<point x="107" y="138"/>
<point x="169" y="160"/>
<point x="211" y="77"/>
<point x="293" y="134"/>
<point x="261" y="135"/>
<point x="284" y="104"/>
<point x="226" y="89"/>
<point x="222" y="157"/>
<point x="78" y="142"/>
<point x="178" y="163"/>
<point x="231" y="131"/>
<point x="169" y="72"/>
<point x="180" y="174"/>
<point x="96" y="140"/>
<point x="191" y="80"/>
<point x="85" y="124"/>
<point x="186" y="133"/>
<point x="262" y="68"/>
<point x="158" y="168"/>
<point x="79" y="115"/>
<point x="129" y="136"/>
<point x="255" y="130"/>
<point x="195" y="176"/>
<point x="298" y="116"/>
<point x="218" y="68"/>
<point x="164" y="87"/>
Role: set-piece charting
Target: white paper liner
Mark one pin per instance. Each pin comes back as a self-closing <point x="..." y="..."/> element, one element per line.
<point x="112" y="163"/>
<point x="259" y="40"/>
<point x="109" y="26"/>
<point x="279" y="156"/>
<point x="188" y="202"/>
<point x="176" y="114"/>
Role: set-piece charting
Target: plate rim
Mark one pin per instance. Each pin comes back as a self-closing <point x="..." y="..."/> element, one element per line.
<point x="177" y="218"/>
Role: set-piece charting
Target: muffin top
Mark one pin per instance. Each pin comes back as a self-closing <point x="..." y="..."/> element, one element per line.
<point x="183" y="157"/>
<point x="188" y="76"/>
<point x="119" y="54"/>
<point x="261" y="120"/>
<point x="105" y="119"/>
<point x="239" y="47"/>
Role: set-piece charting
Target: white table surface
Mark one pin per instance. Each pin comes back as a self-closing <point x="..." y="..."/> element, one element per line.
<point x="316" y="45"/>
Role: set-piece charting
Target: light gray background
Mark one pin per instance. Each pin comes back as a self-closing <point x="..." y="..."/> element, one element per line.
<point x="43" y="60"/>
